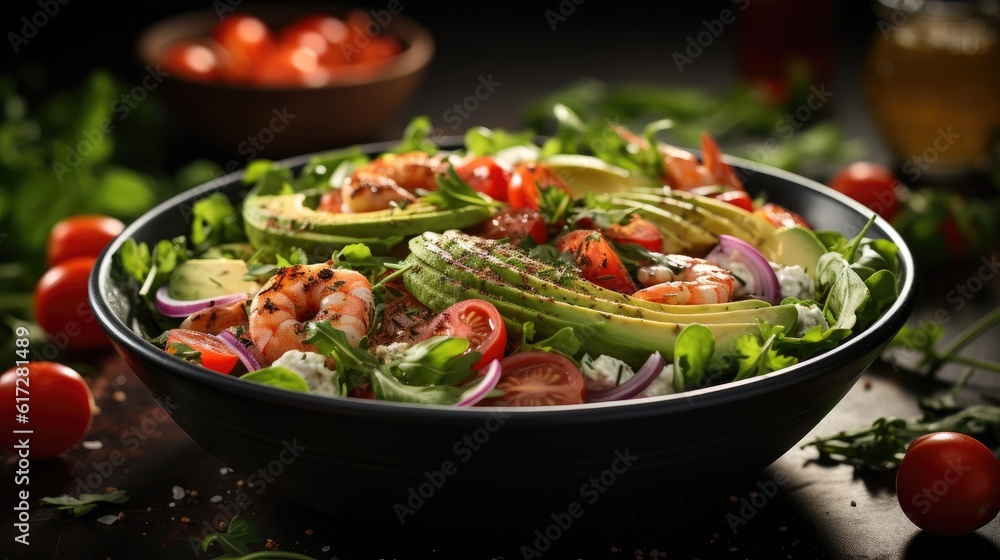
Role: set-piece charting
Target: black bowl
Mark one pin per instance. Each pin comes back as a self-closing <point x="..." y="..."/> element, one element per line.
<point x="398" y="462"/>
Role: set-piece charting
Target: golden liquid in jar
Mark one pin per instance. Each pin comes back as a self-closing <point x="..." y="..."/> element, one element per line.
<point x="933" y="87"/>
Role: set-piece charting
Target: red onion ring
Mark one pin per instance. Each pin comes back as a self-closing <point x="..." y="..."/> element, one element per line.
<point x="242" y="351"/>
<point x="635" y="384"/>
<point x="483" y="388"/>
<point x="171" y="307"/>
<point x="765" y="281"/>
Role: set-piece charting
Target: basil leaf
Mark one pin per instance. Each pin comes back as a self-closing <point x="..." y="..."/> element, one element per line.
<point x="214" y="222"/>
<point x="85" y="502"/>
<point x="439" y="360"/>
<point x="277" y="376"/>
<point x="693" y="352"/>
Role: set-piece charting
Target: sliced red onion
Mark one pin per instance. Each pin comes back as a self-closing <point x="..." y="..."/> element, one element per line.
<point x="242" y="351"/>
<point x="635" y="384"/>
<point x="483" y="388"/>
<point x="762" y="276"/>
<point x="183" y="307"/>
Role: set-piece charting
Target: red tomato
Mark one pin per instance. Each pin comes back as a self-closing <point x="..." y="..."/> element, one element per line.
<point x="537" y="378"/>
<point x="515" y="225"/>
<point x="83" y="235"/>
<point x="638" y="231"/>
<point x="62" y="309"/>
<point x="192" y="61"/>
<point x="321" y="32"/>
<point x="476" y="320"/>
<point x="487" y="175"/>
<point x="246" y="40"/>
<point x="58" y="405"/>
<point x="527" y="180"/>
<point x="871" y="184"/>
<point x="290" y="65"/>
<point x="948" y="483"/>
<point x="597" y="260"/>
<point x="215" y="355"/>
<point x="379" y="50"/>
<point x="781" y="216"/>
<point x="738" y="198"/>
<point x="331" y="201"/>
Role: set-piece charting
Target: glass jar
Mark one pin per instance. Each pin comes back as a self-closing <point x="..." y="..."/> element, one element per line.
<point x="932" y="82"/>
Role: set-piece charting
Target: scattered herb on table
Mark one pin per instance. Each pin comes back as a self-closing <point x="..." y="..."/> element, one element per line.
<point x="85" y="502"/>
<point x="237" y="540"/>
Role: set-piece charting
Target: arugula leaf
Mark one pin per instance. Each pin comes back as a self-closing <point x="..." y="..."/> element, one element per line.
<point x="387" y="387"/>
<point x="277" y="376"/>
<point x="416" y="137"/>
<point x="184" y="352"/>
<point x="85" y="502"/>
<point x="332" y="343"/>
<point x="439" y="360"/>
<point x="214" y="221"/>
<point x="693" y="352"/>
<point x="564" y="341"/>
<point x="481" y="141"/>
<point x="358" y="257"/>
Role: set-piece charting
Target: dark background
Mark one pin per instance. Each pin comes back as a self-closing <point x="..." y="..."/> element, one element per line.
<point x="515" y="42"/>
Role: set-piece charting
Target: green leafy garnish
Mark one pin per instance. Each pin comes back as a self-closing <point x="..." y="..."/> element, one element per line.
<point x="564" y="342"/>
<point x="453" y="193"/>
<point x="85" y="502"/>
<point x="277" y="376"/>
<point x="439" y="360"/>
<point x="236" y="541"/>
<point x="416" y="137"/>
<point x="693" y="352"/>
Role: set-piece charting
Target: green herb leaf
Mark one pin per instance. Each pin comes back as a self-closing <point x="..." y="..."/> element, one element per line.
<point x="564" y="341"/>
<point x="693" y="352"/>
<point x="214" y="221"/>
<point x="454" y="193"/>
<point x="416" y="137"/>
<point x="387" y="387"/>
<point x="439" y="360"/>
<point x="234" y="542"/>
<point x="277" y="376"/>
<point x="85" y="502"/>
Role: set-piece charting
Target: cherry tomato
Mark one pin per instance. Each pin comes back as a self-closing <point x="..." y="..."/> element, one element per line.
<point x="62" y="309"/>
<point x="331" y="201"/>
<point x="528" y="178"/>
<point x="84" y="235"/>
<point x="487" y="175"/>
<point x="738" y="198"/>
<point x="214" y="354"/>
<point x="514" y="225"/>
<point x="597" y="260"/>
<point x="321" y="32"/>
<point x="781" y="216"/>
<point x="379" y="50"/>
<point x="476" y="320"/>
<point x="871" y="184"/>
<point x="193" y="61"/>
<point x="245" y="39"/>
<point x="948" y="483"/>
<point x="638" y="231"/>
<point x="56" y="401"/>
<point x="290" y="65"/>
<point x="537" y="378"/>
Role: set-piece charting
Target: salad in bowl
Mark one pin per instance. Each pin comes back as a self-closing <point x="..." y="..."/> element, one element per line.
<point x="511" y="271"/>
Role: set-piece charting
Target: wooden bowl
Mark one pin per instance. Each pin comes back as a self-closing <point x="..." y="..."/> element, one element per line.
<point x="274" y="122"/>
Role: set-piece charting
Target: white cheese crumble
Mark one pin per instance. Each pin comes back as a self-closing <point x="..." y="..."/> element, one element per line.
<point x="389" y="353"/>
<point x="794" y="281"/>
<point x="605" y="372"/>
<point x="809" y="316"/>
<point x="744" y="280"/>
<point x="311" y="367"/>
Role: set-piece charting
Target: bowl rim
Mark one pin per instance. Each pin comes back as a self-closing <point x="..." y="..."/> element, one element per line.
<point x="881" y="330"/>
<point x="420" y="47"/>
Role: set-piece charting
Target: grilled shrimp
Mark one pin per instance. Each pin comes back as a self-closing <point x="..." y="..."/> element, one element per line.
<point x="681" y="168"/>
<point x="685" y="281"/>
<point x="215" y="319"/>
<point x="390" y="179"/>
<point x="300" y="294"/>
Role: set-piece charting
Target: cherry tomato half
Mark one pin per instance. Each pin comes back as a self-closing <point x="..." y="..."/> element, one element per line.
<point x="871" y="184"/>
<point x="948" y="483"/>
<point x="214" y="354"/>
<point x="476" y="320"/>
<point x="62" y="308"/>
<point x="638" y="231"/>
<point x="487" y="175"/>
<point x="526" y="182"/>
<point x="738" y="198"/>
<point x="537" y="378"/>
<point x="781" y="216"/>
<point x="193" y="61"/>
<point x="83" y="235"/>
<point x="597" y="260"/>
<point x="56" y="401"/>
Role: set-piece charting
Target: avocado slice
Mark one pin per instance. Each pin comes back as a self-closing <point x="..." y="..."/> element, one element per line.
<point x="283" y="221"/>
<point x="452" y="266"/>
<point x="206" y="278"/>
<point x="790" y="246"/>
<point x="584" y="174"/>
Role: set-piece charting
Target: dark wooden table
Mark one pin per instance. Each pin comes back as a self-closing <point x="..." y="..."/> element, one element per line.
<point x="794" y="509"/>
